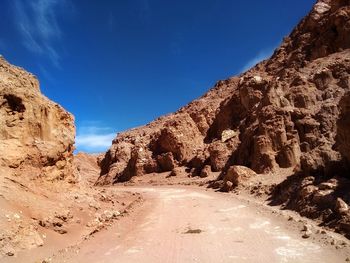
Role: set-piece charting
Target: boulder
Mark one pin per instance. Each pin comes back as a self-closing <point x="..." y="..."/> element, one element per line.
<point x="237" y="174"/>
<point x="178" y="171"/>
<point x="166" y="161"/>
<point x="219" y="155"/>
<point x="341" y="207"/>
<point x="181" y="137"/>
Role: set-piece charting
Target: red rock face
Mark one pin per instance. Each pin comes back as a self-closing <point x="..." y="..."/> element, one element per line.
<point x="174" y="140"/>
<point x="282" y="113"/>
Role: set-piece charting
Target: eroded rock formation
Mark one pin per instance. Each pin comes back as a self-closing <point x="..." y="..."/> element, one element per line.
<point x="280" y="114"/>
<point x="343" y="131"/>
<point x="177" y="139"/>
<point x="34" y="131"/>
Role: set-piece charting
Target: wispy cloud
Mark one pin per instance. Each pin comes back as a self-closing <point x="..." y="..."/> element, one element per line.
<point x="94" y="138"/>
<point x="262" y="55"/>
<point x="38" y="26"/>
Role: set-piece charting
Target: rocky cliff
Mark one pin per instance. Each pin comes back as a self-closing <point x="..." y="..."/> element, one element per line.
<point x="280" y="114"/>
<point x="174" y="140"/>
<point x="38" y="202"/>
<point x="35" y="132"/>
<point x="343" y="128"/>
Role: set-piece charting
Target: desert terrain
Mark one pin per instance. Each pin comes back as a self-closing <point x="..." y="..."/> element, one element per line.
<point x="255" y="170"/>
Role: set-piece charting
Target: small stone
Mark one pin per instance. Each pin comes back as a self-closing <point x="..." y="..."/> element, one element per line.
<point x="227" y="187"/>
<point x="307" y="234"/>
<point x="306" y="227"/>
<point x="257" y="79"/>
<point x="10" y="253"/>
<point x="341" y="207"/>
<point x="177" y="171"/>
<point x="227" y="135"/>
<point x="327" y="185"/>
<point x="108" y="214"/>
<point x="116" y="213"/>
<point x="61" y="231"/>
<point x="17" y="216"/>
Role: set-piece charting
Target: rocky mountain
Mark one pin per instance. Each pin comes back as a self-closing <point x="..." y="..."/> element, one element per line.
<point x="35" y="133"/>
<point x="287" y="115"/>
<point x="282" y="113"/>
<point x="283" y="127"/>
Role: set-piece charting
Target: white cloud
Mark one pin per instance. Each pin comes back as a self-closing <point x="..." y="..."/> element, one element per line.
<point x="262" y="55"/>
<point x="37" y="23"/>
<point x="94" y="138"/>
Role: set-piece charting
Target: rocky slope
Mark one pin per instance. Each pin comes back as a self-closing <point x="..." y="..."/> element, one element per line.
<point x="175" y="140"/>
<point x="35" y="132"/>
<point x="280" y="115"/>
<point x="47" y="201"/>
<point x="86" y="168"/>
<point x="36" y="149"/>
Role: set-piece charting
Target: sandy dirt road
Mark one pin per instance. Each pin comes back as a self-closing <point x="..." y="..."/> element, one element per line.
<point x="190" y="225"/>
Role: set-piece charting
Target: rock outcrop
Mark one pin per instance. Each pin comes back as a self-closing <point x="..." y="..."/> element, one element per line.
<point x="34" y="131"/>
<point x="343" y="128"/>
<point x="36" y="163"/>
<point x="177" y="139"/>
<point x="280" y="114"/>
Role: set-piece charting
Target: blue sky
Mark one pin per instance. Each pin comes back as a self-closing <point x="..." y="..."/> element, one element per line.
<point x="120" y="64"/>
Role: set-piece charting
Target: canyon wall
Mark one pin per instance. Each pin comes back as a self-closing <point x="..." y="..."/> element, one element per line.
<point x="35" y="133"/>
<point x="280" y="114"/>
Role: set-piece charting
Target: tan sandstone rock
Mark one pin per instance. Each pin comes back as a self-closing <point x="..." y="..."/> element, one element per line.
<point x="237" y="174"/>
<point x="34" y="131"/>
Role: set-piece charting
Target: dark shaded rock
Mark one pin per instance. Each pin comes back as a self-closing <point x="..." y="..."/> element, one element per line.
<point x="166" y="161"/>
<point x="206" y="171"/>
